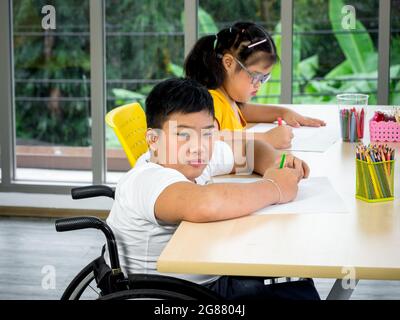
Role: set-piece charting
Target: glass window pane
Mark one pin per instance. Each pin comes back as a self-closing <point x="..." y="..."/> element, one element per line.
<point x="144" y="44"/>
<point x="395" y="55"/>
<point x="332" y="51"/>
<point x="215" y="15"/>
<point x="52" y="90"/>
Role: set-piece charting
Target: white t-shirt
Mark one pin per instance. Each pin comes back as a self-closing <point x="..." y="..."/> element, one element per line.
<point x="140" y="236"/>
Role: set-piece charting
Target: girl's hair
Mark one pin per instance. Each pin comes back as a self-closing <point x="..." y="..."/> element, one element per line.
<point x="242" y="40"/>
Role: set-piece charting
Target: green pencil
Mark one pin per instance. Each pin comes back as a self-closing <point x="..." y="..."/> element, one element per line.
<point x="282" y="161"/>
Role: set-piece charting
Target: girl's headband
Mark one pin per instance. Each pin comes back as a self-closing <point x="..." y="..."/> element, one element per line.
<point x="257" y="43"/>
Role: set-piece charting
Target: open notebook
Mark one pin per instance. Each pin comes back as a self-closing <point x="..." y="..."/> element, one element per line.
<point x="316" y="195"/>
<point x="305" y="138"/>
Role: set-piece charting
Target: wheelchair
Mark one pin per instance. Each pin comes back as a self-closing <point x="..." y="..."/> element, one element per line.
<point x="101" y="281"/>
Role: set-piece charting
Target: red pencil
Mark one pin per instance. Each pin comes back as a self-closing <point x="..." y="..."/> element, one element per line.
<point x="358" y="125"/>
<point x="362" y="123"/>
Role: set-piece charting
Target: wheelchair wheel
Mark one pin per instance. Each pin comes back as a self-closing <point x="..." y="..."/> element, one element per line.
<point x="146" y="294"/>
<point x="83" y="286"/>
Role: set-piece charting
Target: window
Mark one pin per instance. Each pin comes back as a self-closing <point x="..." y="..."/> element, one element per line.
<point x="144" y="44"/>
<point x="52" y="91"/>
<point x="395" y="54"/>
<point x="333" y="52"/>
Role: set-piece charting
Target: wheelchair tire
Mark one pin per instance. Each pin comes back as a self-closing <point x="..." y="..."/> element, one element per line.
<point x="80" y="283"/>
<point x="146" y="294"/>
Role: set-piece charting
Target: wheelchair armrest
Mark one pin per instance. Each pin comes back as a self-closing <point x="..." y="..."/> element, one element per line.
<point x="153" y="281"/>
<point x="92" y="191"/>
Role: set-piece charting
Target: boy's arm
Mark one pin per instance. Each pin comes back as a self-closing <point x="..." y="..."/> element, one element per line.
<point x="279" y="137"/>
<point x="250" y="154"/>
<point x="190" y="202"/>
<point x="255" y="155"/>
<point x="221" y="201"/>
<point x="261" y="154"/>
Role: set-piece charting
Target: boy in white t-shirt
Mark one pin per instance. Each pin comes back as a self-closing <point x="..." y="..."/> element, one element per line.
<point x="169" y="184"/>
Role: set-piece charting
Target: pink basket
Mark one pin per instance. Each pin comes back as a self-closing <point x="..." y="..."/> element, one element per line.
<point x="384" y="131"/>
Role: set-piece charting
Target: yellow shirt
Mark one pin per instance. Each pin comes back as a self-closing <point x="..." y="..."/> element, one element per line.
<point x="225" y="115"/>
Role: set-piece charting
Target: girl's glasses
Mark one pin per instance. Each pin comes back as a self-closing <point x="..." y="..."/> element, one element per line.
<point x="255" y="76"/>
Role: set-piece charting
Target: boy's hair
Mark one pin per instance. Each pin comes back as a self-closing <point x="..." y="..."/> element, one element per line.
<point x="242" y="40"/>
<point x="176" y="95"/>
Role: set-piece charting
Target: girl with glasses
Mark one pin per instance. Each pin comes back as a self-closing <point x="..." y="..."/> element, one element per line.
<point x="232" y="65"/>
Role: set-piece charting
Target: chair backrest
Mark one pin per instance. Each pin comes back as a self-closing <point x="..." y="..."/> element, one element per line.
<point x="129" y="125"/>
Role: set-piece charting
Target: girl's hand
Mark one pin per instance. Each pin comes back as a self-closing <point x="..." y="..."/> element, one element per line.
<point x="279" y="137"/>
<point x="296" y="120"/>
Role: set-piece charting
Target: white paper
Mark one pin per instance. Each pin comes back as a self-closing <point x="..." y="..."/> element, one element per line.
<point x="315" y="195"/>
<point x="305" y="138"/>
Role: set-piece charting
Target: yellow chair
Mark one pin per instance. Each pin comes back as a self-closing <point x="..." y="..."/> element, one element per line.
<point x="129" y="125"/>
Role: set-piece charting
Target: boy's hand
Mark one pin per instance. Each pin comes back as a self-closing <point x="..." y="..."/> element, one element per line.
<point x="294" y="162"/>
<point x="296" y="120"/>
<point x="287" y="180"/>
<point x="279" y="137"/>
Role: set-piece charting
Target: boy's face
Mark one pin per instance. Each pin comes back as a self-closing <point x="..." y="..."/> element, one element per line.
<point x="185" y="143"/>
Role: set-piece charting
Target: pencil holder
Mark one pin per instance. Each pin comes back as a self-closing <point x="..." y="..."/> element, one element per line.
<point x="352" y="116"/>
<point x="384" y="131"/>
<point x="375" y="181"/>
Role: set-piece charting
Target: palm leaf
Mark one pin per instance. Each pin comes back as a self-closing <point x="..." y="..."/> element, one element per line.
<point x="341" y="69"/>
<point x="206" y="23"/>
